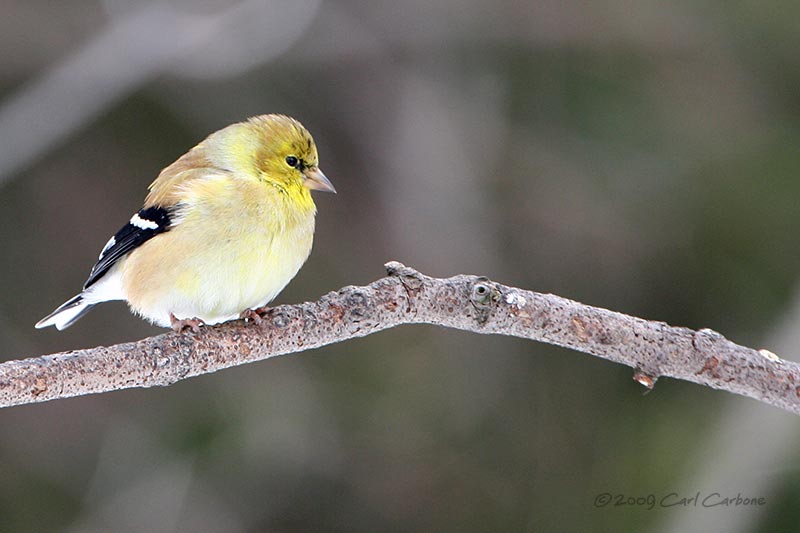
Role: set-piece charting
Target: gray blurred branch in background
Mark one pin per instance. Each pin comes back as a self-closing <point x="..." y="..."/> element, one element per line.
<point x="462" y="302"/>
<point x="139" y="44"/>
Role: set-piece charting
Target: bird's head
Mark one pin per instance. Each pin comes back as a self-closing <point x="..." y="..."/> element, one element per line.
<point x="286" y="155"/>
<point x="272" y="149"/>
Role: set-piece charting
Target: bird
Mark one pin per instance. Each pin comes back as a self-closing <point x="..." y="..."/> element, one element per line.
<point x="221" y="232"/>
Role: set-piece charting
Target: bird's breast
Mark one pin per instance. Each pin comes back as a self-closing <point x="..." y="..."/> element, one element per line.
<point x="252" y="246"/>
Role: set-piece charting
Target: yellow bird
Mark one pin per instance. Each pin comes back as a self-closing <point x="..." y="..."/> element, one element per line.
<point x="222" y="231"/>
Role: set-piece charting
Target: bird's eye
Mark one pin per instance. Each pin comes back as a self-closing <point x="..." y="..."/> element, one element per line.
<point x="292" y="161"/>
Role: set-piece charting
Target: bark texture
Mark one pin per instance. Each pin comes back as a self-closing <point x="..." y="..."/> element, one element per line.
<point x="405" y="296"/>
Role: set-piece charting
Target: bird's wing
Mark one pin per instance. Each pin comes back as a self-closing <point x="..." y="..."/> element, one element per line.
<point x="142" y="226"/>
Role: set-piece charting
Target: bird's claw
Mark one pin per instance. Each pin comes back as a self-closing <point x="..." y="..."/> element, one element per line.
<point x="251" y="315"/>
<point x="180" y="325"/>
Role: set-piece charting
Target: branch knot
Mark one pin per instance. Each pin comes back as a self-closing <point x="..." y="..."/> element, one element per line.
<point x="410" y="279"/>
<point x="483" y="297"/>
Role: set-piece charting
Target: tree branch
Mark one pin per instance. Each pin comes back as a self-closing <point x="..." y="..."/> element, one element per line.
<point x="468" y="303"/>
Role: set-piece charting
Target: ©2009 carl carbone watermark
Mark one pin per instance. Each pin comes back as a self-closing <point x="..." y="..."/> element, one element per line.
<point x="709" y="500"/>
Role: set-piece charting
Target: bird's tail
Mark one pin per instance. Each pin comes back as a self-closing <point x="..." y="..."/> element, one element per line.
<point x="67" y="313"/>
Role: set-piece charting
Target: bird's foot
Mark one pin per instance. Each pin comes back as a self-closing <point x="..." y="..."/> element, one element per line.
<point x="179" y="325"/>
<point x="251" y="315"/>
<point x="255" y="315"/>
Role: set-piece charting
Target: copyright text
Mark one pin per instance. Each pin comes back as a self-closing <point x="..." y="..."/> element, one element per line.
<point x="709" y="500"/>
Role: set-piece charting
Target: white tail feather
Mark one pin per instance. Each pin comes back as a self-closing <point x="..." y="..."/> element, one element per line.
<point x="66" y="314"/>
<point x="105" y="289"/>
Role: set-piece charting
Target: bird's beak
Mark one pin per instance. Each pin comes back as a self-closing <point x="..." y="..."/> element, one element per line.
<point x="317" y="181"/>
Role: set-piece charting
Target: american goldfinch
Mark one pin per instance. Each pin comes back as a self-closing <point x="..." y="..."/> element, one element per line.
<point x="222" y="231"/>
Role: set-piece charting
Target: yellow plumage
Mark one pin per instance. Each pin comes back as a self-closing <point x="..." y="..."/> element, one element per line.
<point x="223" y="229"/>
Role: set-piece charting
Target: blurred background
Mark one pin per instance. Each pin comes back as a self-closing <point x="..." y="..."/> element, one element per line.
<point x="640" y="156"/>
